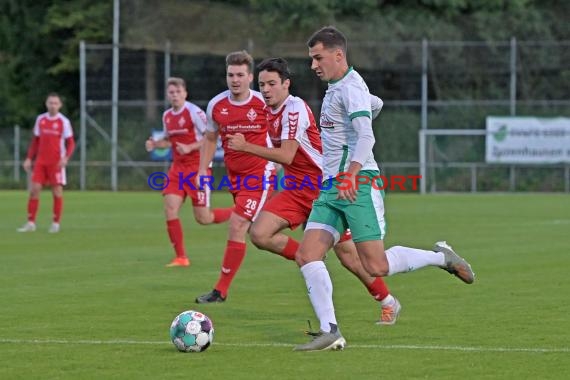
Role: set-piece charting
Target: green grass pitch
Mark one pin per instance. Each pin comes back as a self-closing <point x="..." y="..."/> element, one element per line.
<point x="96" y="302"/>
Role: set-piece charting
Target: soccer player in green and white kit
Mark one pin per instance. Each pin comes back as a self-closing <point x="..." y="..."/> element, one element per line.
<point x="347" y="151"/>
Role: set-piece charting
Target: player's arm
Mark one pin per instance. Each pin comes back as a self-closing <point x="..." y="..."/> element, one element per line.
<point x="282" y="155"/>
<point x="189" y="148"/>
<point x="376" y="105"/>
<point x="69" y="148"/>
<point x="359" y="107"/>
<point x="152" y="144"/>
<point x="208" y="149"/>
<point x="33" y="148"/>
<point x="32" y="151"/>
<point x="69" y="142"/>
<point x="163" y="143"/>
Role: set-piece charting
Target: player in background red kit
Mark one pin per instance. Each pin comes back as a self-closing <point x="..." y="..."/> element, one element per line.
<point x="51" y="147"/>
<point x="238" y="110"/>
<point x="297" y="146"/>
<point x="184" y="126"/>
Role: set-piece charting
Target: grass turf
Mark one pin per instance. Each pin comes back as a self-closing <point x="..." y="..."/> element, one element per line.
<point x="96" y="301"/>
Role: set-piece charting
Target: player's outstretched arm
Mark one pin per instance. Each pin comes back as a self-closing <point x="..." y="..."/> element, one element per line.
<point x="282" y="155"/>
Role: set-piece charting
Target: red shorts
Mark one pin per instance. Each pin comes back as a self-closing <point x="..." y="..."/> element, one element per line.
<point x="248" y="203"/>
<point x="49" y="174"/>
<point x="178" y="186"/>
<point x="292" y="205"/>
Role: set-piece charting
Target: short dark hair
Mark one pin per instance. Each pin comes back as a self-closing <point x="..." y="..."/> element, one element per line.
<point x="238" y="58"/>
<point x="54" y="95"/>
<point x="330" y="37"/>
<point x="276" y="65"/>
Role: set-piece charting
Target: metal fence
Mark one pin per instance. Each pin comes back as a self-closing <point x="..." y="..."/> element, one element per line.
<point x="425" y="85"/>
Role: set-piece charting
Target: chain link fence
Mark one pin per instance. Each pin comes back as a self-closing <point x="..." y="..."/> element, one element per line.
<point x="424" y="84"/>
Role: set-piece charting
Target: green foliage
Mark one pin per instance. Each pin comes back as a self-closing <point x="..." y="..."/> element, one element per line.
<point x="39" y="42"/>
<point x="75" y="21"/>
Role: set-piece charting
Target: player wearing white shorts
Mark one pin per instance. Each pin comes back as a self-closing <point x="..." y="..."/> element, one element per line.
<point x="352" y="201"/>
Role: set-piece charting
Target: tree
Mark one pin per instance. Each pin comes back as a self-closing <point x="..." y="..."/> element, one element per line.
<point x="39" y="42"/>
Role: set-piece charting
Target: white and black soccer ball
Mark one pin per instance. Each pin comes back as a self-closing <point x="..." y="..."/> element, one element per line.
<point x="192" y="331"/>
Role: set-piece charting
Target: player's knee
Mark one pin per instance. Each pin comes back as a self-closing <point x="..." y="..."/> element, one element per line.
<point x="376" y="268"/>
<point x="258" y="237"/>
<point x="203" y="218"/>
<point x="170" y="211"/>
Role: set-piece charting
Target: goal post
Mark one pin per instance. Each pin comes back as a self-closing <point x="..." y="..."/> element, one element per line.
<point x="424" y="133"/>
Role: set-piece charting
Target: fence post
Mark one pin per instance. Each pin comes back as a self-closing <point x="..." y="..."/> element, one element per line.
<point x="115" y="98"/>
<point x="424" y="84"/>
<point x="83" y="115"/>
<point x="567" y="178"/>
<point x="167" y="71"/>
<point x="423" y="126"/>
<point x="16" y="153"/>
<point x="513" y="101"/>
<point x="422" y="152"/>
<point x="473" y="178"/>
<point x="512" y="178"/>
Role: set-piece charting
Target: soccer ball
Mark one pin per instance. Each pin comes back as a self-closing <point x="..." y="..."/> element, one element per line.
<point x="192" y="331"/>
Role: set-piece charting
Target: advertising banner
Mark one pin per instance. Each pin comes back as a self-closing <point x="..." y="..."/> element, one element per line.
<point x="528" y="140"/>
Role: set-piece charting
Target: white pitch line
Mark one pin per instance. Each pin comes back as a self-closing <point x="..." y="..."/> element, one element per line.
<point x="253" y="344"/>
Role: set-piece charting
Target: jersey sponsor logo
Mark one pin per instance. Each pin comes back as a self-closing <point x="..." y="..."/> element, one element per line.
<point x="293" y="123"/>
<point x="251" y="114"/>
<point x="325" y="122"/>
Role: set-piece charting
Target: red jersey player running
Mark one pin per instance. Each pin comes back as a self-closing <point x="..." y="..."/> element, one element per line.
<point x="51" y="147"/>
<point x="298" y="148"/>
<point x="184" y="126"/>
<point x="238" y="110"/>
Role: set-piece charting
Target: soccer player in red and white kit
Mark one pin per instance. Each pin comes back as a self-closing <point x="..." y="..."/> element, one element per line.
<point x="184" y="126"/>
<point x="52" y="145"/>
<point x="297" y="146"/>
<point x="238" y="110"/>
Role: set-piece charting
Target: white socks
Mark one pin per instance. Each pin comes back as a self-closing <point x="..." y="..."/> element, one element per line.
<point x="404" y="259"/>
<point x="388" y="301"/>
<point x="320" y="290"/>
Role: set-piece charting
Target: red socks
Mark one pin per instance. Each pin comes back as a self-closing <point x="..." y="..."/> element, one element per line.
<point x="57" y="208"/>
<point x="33" y="205"/>
<point x="378" y="289"/>
<point x="176" y="236"/>
<point x="233" y="257"/>
<point x="222" y="214"/>
<point x="290" y="249"/>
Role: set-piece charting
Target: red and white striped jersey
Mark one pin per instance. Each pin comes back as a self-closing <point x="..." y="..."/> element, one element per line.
<point x="248" y="118"/>
<point x="186" y="126"/>
<point x="52" y="133"/>
<point x="294" y="120"/>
